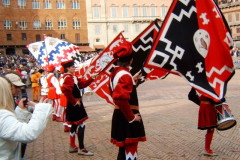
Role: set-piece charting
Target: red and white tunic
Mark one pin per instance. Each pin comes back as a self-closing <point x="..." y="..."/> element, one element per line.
<point x="54" y="87"/>
<point x="71" y="89"/>
<point x="124" y="129"/>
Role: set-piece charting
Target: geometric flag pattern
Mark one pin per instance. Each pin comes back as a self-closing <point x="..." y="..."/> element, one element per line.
<point x="194" y="42"/>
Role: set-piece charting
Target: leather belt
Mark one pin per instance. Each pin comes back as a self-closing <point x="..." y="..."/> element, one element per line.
<point x="131" y="106"/>
<point x="205" y="102"/>
<point x="78" y="99"/>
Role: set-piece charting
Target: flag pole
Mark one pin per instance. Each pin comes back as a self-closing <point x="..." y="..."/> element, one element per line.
<point x="44" y="36"/>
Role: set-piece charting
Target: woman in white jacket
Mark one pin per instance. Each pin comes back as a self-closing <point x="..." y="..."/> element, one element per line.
<point x="12" y="130"/>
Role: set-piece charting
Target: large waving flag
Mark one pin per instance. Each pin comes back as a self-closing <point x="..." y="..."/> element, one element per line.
<point x="194" y="42"/>
<point x="59" y="50"/>
<point x="142" y="45"/>
<point x="100" y="65"/>
<point x="38" y="50"/>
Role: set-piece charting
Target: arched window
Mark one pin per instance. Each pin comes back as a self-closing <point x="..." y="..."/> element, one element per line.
<point x="62" y="23"/>
<point x="36" y="23"/>
<point x="76" y="23"/>
<point x="48" y="23"/>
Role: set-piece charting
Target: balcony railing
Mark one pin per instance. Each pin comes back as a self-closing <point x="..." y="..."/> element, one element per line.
<point x="144" y="18"/>
<point x="231" y="24"/>
<point x="229" y="4"/>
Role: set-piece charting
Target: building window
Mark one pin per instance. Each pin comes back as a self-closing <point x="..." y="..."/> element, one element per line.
<point x="63" y="36"/>
<point x="114" y="12"/>
<point x="25" y="51"/>
<point x="135" y="11"/>
<point x="6" y="2"/>
<point x="229" y="17"/>
<point x="144" y="11"/>
<point x="163" y="12"/>
<point x="21" y="3"/>
<point x="38" y="37"/>
<point x="237" y="16"/>
<point x="48" y="24"/>
<point x="75" y="4"/>
<point x="77" y="37"/>
<point x="22" y="24"/>
<point x="125" y="28"/>
<point x="62" y="24"/>
<point x="98" y="40"/>
<point x="137" y="28"/>
<point x="97" y="29"/>
<point x="7" y="24"/>
<point x="60" y="4"/>
<point x="76" y="24"/>
<point x="237" y="30"/>
<point x="96" y="12"/>
<point x="9" y="37"/>
<point x="153" y="12"/>
<point x="36" y="24"/>
<point x="115" y="29"/>
<point x="47" y="4"/>
<point x="125" y="12"/>
<point x="35" y="4"/>
<point x="24" y="36"/>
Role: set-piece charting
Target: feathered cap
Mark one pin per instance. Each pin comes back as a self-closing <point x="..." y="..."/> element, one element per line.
<point x="51" y="68"/>
<point x="124" y="52"/>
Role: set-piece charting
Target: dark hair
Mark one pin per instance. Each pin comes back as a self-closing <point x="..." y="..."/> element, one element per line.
<point x="124" y="61"/>
<point x="65" y="70"/>
<point x="67" y="65"/>
<point x="41" y="71"/>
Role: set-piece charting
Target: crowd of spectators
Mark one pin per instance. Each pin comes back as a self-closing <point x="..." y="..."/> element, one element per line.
<point x="24" y="65"/>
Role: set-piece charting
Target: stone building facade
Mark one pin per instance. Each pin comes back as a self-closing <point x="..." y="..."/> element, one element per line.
<point x="231" y="11"/>
<point x="26" y="21"/>
<point x="107" y="18"/>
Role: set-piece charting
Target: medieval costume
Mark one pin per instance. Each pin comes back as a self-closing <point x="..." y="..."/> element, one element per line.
<point x="54" y="92"/>
<point x="63" y="103"/>
<point x="207" y="118"/>
<point x="126" y="130"/>
<point x="75" y="111"/>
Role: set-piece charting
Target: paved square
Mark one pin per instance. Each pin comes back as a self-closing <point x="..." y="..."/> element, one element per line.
<point x="170" y="121"/>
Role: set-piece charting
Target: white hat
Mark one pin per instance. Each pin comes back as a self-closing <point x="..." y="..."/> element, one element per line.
<point x="15" y="79"/>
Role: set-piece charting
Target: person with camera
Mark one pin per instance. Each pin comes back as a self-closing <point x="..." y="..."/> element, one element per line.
<point x="10" y="124"/>
<point x="17" y="87"/>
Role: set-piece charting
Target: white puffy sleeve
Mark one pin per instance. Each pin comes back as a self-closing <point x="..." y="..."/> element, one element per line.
<point x="56" y="84"/>
<point x="14" y="130"/>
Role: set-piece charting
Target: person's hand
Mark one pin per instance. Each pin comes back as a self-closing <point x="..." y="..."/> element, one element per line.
<point x="138" y="117"/>
<point x="32" y="104"/>
<point x="137" y="76"/>
<point x="42" y="100"/>
<point x="21" y="105"/>
<point x="95" y="75"/>
<point x="78" y="104"/>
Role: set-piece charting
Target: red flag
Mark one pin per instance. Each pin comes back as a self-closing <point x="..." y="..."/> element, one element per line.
<point x="81" y="69"/>
<point x="101" y="84"/>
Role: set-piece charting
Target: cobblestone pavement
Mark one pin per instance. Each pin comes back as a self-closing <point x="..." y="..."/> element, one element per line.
<point x="170" y="121"/>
